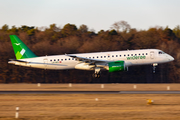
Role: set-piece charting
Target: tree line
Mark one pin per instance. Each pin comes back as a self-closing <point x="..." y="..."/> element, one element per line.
<point x="69" y="39"/>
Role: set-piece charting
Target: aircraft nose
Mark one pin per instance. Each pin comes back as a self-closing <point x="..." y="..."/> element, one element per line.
<point x="170" y="58"/>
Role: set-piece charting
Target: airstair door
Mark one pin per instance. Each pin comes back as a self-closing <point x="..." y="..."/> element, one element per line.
<point x="152" y="54"/>
<point x="45" y="62"/>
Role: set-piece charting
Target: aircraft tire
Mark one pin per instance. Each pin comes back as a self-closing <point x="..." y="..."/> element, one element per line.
<point x="95" y="75"/>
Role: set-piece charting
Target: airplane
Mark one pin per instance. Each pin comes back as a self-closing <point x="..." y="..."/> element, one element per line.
<point x="112" y="61"/>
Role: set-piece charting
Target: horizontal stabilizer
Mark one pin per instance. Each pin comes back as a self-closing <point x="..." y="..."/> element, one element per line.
<point x="18" y="60"/>
<point x="15" y="61"/>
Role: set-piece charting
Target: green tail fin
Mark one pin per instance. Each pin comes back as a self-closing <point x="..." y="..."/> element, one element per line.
<point x="20" y="49"/>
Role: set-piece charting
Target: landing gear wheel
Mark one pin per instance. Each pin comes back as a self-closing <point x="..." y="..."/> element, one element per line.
<point x="96" y="75"/>
<point x="97" y="72"/>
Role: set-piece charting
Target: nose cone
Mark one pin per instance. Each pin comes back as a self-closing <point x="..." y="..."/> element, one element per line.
<point x="170" y="58"/>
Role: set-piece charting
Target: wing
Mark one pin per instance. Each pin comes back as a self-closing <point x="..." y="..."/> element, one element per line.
<point x="88" y="60"/>
<point x="95" y="61"/>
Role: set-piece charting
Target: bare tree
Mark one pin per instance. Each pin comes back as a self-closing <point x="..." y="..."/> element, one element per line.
<point x="121" y="26"/>
<point x="83" y="28"/>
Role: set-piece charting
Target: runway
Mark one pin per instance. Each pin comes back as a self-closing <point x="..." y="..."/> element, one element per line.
<point x="89" y="92"/>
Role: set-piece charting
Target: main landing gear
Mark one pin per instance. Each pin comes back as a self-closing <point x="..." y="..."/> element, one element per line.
<point x="97" y="73"/>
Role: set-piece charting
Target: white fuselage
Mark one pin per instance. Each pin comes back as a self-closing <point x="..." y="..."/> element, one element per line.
<point x="131" y="57"/>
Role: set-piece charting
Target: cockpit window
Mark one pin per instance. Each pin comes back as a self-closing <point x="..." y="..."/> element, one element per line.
<point x="160" y="52"/>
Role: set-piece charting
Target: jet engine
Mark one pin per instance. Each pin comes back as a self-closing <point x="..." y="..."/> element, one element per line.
<point x="116" y="66"/>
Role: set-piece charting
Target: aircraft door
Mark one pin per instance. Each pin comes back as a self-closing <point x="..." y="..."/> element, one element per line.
<point x="45" y="62"/>
<point x="152" y="54"/>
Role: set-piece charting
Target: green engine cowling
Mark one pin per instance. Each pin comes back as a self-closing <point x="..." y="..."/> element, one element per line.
<point x="116" y="66"/>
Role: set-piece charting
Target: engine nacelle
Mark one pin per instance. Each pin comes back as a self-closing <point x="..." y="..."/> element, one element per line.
<point x="116" y="66"/>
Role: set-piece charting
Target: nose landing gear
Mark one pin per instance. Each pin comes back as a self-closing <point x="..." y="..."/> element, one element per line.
<point x="154" y="67"/>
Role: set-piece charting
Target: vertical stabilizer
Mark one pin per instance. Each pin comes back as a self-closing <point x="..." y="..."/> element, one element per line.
<point x="20" y="49"/>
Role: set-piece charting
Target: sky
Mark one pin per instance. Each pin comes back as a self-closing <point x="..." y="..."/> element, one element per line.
<point x="96" y="14"/>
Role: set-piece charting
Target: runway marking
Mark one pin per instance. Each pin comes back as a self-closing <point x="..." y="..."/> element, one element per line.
<point x="89" y="92"/>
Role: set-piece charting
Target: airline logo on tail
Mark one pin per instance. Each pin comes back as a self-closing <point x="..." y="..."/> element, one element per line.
<point x="17" y="43"/>
<point x="20" y="49"/>
<point x="20" y="54"/>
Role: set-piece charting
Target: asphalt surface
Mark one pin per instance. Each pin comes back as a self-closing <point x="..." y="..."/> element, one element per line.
<point x="89" y="92"/>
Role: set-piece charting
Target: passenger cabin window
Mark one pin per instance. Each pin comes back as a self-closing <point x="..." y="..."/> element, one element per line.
<point x="97" y="57"/>
<point x="116" y="55"/>
<point x="131" y="54"/>
<point x="139" y="54"/>
<point x="65" y="59"/>
<point x="50" y="60"/>
<point x="104" y="56"/>
<point x="119" y="55"/>
<point x="146" y="54"/>
<point x="112" y="55"/>
<point x="61" y="59"/>
<point x="54" y="59"/>
<point x="124" y="55"/>
<point x="143" y="54"/>
<point x="135" y="54"/>
<point x="69" y="58"/>
<point x="128" y="54"/>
